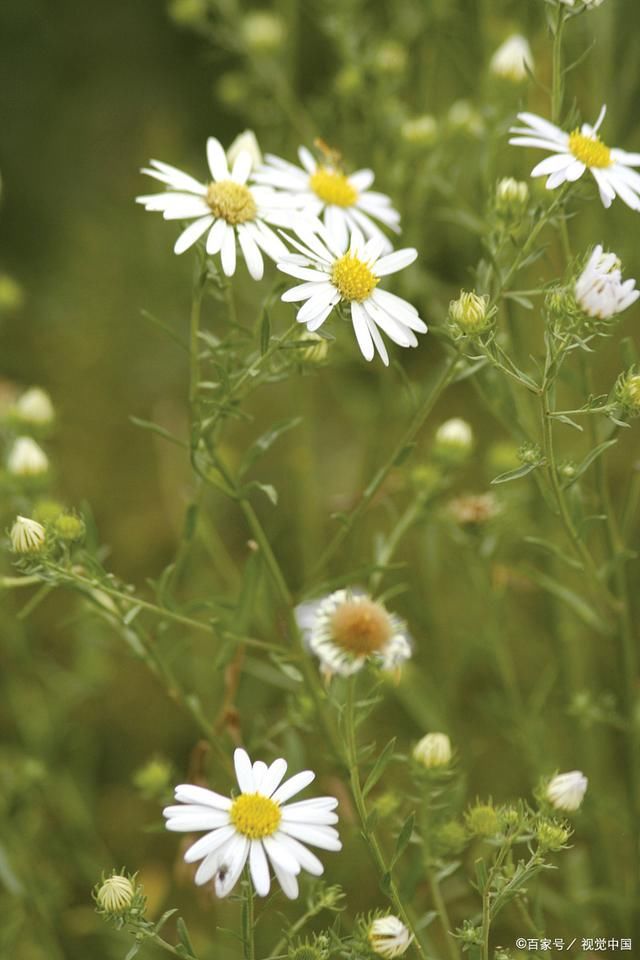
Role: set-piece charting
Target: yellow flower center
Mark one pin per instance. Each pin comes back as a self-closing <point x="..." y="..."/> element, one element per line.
<point x="255" y="816"/>
<point x="589" y="150"/>
<point x="333" y="187"/>
<point x="231" y="201"/>
<point x="353" y="278"/>
<point x="361" y="628"/>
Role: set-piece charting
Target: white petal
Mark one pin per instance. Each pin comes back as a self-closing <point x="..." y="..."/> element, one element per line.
<point x="309" y="815"/>
<point x="575" y="171"/>
<point x="556" y="179"/>
<point x="259" y="770"/>
<point x="288" y="882"/>
<point x="273" y="776"/>
<point x="336" y="224"/>
<point x="192" y="234"/>
<point x="393" y="328"/>
<point x="191" y="823"/>
<point x="251" y="252"/>
<point x="327" y="294"/>
<point x="324" y="837"/>
<point x="217" y="159"/>
<point x="293" y="785"/>
<point x="216" y="236"/>
<point x="209" y="843"/>
<point x="302" y="273"/>
<point x="307" y="860"/>
<point x="210" y="864"/>
<point x="320" y="803"/>
<point x="231" y="866"/>
<point x="242" y="167"/>
<point x="189" y="793"/>
<point x="559" y="161"/>
<point x="395" y="261"/>
<point x="525" y="141"/>
<point x="244" y="771"/>
<point x="306" y="159"/>
<point x="175" y="178"/>
<point x="268" y="240"/>
<point x="361" y="330"/>
<point x="259" y="868"/>
<point x="228" y="252"/>
<point x="279" y="856"/>
<point x="378" y="342"/>
<point x="549" y="130"/>
<point x="319" y="319"/>
<point x="361" y="179"/>
<point x="300" y="292"/>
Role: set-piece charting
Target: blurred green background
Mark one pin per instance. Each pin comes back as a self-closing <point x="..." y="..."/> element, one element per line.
<point x="88" y="92"/>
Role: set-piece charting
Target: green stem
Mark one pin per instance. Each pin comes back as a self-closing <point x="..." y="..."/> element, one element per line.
<point x="249" y="922"/>
<point x="557" y="83"/>
<point x="406" y="521"/>
<point x="443" y="915"/>
<point x="444" y="378"/>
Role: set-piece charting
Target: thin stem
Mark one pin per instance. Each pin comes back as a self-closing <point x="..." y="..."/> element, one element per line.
<point x="443" y="914"/>
<point x="406" y="521"/>
<point x="249" y="922"/>
<point x="557" y="83"/>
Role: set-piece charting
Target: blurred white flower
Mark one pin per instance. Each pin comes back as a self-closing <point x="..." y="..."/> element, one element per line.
<point x="587" y="4"/>
<point x="580" y="150"/>
<point x="421" y="130"/>
<point x="453" y="440"/>
<point x="512" y="58"/>
<point x="389" y="937"/>
<point x="27" y="536"/>
<point x="248" y="142"/>
<point x="566" y="790"/>
<point x="226" y="209"/>
<point x="34" y="406"/>
<point x="512" y="197"/>
<point x="338" y="269"/>
<point x="434" y="750"/>
<point x="464" y="117"/>
<point x="263" y="31"/>
<point x="27" y="459"/>
<point x="344" y="201"/>
<point x="256" y="825"/>
<point x="600" y="290"/>
<point x="346" y="629"/>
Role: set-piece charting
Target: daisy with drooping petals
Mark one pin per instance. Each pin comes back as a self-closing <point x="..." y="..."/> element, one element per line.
<point x="600" y="289"/>
<point x="257" y="825"/>
<point x="580" y="150"/>
<point x="347" y="270"/>
<point x="344" y="200"/>
<point x="227" y="209"/>
<point x="347" y="629"/>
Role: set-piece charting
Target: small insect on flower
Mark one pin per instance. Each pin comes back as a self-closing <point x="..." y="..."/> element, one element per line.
<point x="512" y="59"/>
<point x="27" y="536"/>
<point x="566" y="790"/>
<point x="389" y="937"/>
<point x="600" y="290"/>
<point x="433" y="751"/>
<point x="27" y="459"/>
<point x="348" y="270"/>
<point x="346" y="629"/>
<point x="580" y="150"/>
<point x="227" y="209"/>
<point x="257" y="825"/>
<point x="34" y="407"/>
<point x="323" y="189"/>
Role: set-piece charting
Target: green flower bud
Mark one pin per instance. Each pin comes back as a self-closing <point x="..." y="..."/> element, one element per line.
<point x="46" y="511"/>
<point x="188" y="13"/>
<point x="469" y="314"/>
<point x="68" y="527"/>
<point x="512" y="198"/>
<point x="420" y="131"/>
<point x="627" y="392"/>
<point x="552" y="835"/>
<point x="483" y="820"/>
<point x="529" y="453"/>
<point x="451" y="837"/>
<point x="153" y="780"/>
<point x="391" y="57"/>
<point x="316" y="349"/>
<point x="120" y="897"/>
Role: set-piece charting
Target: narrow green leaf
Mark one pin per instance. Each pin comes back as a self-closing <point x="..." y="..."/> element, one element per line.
<point x="404" y="837"/>
<point x="515" y="474"/>
<point x="183" y="936"/>
<point x="379" y="767"/>
<point x="160" y="431"/>
<point x="265" y="333"/>
<point x="589" y="459"/>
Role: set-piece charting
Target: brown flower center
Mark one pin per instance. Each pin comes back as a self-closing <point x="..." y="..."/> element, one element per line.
<point x="361" y="627"/>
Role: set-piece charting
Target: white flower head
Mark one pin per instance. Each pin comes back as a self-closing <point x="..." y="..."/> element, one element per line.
<point x="453" y="440"/>
<point x="227" y="209"/>
<point x="434" y="750"/>
<point x="347" y="629"/>
<point x="27" y="459"/>
<point x="257" y="825"/>
<point x="245" y="141"/>
<point x="573" y="153"/>
<point x="566" y="790"/>
<point x="337" y="269"/>
<point x="343" y="200"/>
<point x="34" y="406"/>
<point x="389" y="937"/>
<point x="512" y="59"/>
<point x="27" y="536"/>
<point x="600" y="290"/>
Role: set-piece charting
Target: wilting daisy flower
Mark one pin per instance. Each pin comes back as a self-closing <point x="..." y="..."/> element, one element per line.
<point x="256" y="825"/>
<point x="227" y="209"/>
<point x="566" y="790"/>
<point x="346" y="629"/>
<point x="512" y="58"/>
<point x="337" y="269"/>
<point x="389" y="937"/>
<point x="27" y="459"/>
<point x="580" y="150"/>
<point x="344" y="201"/>
<point x="27" y="536"/>
<point x="600" y="290"/>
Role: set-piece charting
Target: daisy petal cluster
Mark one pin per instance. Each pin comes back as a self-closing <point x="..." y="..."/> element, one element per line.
<point x="574" y="153"/>
<point x="227" y="209"/>
<point x="257" y="826"/>
<point x="323" y="189"/>
<point x="347" y="269"/>
<point x="566" y="790"/>
<point x="389" y="937"/>
<point x="345" y="630"/>
<point x="600" y="290"/>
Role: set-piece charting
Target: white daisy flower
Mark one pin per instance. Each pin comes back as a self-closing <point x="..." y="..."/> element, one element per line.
<point x="580" y="150"/>
<point x="389" y="937"/>
<point x="346" y="629"/>
<point x="227" y="209"/>
<point x="337" y="269"/>
<point x="600" y="290"/>
<point x="512" y="59"/>
<point x="344" y="201"/>
<point x="566" y="790"/>
<point x="257" y="825"/>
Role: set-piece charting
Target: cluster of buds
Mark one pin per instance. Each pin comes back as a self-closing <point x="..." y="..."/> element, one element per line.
<point x="470" y="315"/>
<point x="512" y="199"/>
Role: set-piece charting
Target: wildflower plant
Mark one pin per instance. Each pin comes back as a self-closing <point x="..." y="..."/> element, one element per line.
<point x="367" y="531"/>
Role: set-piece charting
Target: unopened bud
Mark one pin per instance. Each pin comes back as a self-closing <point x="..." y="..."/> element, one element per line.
<point x="470" y="314"/>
